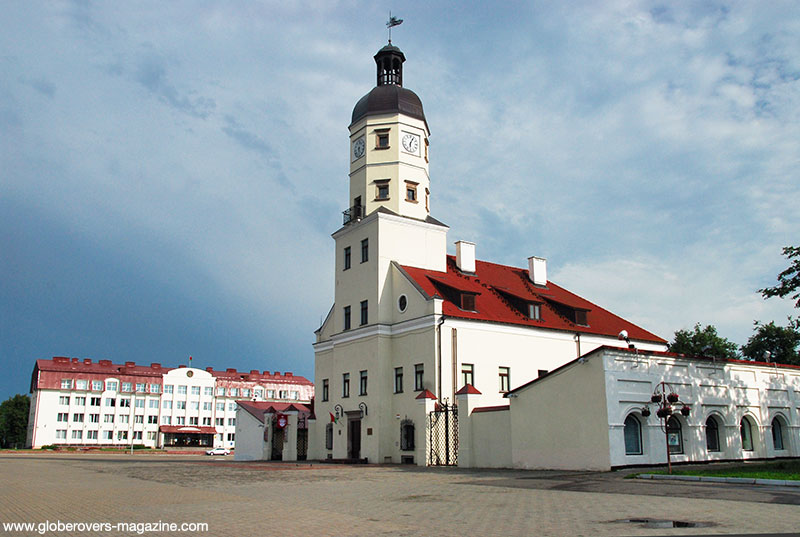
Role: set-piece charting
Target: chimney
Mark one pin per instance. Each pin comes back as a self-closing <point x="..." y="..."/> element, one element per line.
<point x="537" y="270"/>
<point x="87" y="361"/>
<point x="154" y="365"/>
<point x="465" y="256"/>
<point x="130" y="364"/>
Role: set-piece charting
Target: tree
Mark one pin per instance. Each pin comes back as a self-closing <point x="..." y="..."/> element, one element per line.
<point x="789" y="279"/>
<point x="781" y="343"/>
<point x="703" y="342"/>
<point x="14" y="421"/>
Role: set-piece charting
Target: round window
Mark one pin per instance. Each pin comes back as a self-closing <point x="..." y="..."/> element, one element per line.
<point x="189" y="373"/>
<point x="402" y="303"/>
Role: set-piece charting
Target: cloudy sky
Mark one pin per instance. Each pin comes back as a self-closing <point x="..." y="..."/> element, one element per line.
<point x="171" y="172"/>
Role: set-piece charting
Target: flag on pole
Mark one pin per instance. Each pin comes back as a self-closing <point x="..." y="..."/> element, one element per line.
<point x="394" y="21"/>
<point x="334" y="419"/>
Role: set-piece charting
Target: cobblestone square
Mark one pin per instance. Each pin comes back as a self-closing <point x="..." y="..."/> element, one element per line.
<point x="262" y="498"/>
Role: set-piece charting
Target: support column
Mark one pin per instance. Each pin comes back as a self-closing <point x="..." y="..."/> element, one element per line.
<point x="427" y="403"/>
<point x="266" y="451"/>
<point x="467" y="399"/>
<point x="290" y="436"/>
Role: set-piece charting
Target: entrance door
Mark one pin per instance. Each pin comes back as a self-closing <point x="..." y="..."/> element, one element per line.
<point x="354" y="439"/>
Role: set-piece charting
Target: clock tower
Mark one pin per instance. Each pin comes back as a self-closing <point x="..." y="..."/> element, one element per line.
<point x="389" y="146"/>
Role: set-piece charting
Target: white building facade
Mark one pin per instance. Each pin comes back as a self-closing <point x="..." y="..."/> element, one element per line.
<point x="411" y="325"/>
<point x="598" y="413"/>
<point x="78" y="402"/>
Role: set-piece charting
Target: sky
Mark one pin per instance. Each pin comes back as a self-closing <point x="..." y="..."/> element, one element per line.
<point x="171" y="172"/>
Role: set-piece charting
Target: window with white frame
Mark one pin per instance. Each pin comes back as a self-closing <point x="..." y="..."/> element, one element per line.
<point x="111" y="385"/>
<point x="62" y="416"/>
<point x="63" y="400"/>
<point x="141" y="386"/>
<point x="108" y="435"/>
<point x="208" y="390"/>
<point x="80" y="401"/>
<point x="181" y="390"/>
<point x="94" y="401"/>
<point x="125" y="418"/>
<point x="633" y="435"/>
<point x="91" y="435"/>
<point x="97" y="385"/>
<point x="180" y="405"/>
<point x="127" y="387"/>
<point x="81" y="384"/>
<point x="231" y="406"/>
<point x="61" y="434"/>
<point x="234" y="392"/>
<point x="168" y="388"/>
<point x="66" y="384"/>
<point x="77" y="435"/>
<point x="166" y="405"/>
<point x="221" y="407"/>
<point x="153" y="403"/>
<point x="155" y="388"/>
<point x="180" y="420"/>
<point x="195" y="390"/>
<point x="108" y="418"/>
<point x="139" y="403"/>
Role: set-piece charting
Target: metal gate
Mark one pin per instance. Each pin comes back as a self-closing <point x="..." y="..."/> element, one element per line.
<point x="443" y="435"/>
<point x="277" y="443"/>
<point x="302" y="444"/>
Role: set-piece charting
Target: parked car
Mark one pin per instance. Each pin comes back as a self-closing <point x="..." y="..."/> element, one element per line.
<point x="218" y="451"/>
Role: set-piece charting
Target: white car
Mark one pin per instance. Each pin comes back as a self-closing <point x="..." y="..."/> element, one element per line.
<point x="218" y="451"/>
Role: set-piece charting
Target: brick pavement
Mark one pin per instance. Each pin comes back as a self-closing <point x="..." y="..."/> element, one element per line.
<point x="242" y="499"/>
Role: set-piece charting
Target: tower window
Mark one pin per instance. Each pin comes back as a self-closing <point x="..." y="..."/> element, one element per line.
<point x="419" y="377"/>
<point x="382" y="190"/>
<point x="505" y="379"/>
<point x="347" y="258"/>
<point x="324" y="389"/>
<point x="362" y="386"/>
<point x="382" y="139"/>
<point x="345" y="384"/>
<point x="364" y="312"/>
<point x="365" y="250"/>
<point x="411" y="192"/>
<point x="347" y="318"/>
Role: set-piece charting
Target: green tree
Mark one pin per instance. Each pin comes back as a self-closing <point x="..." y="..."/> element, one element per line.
<point x="703" y="342"/>
<point x="780" y="341"/>
<point x="14" y="421"/>
<point x="789" y="279"/>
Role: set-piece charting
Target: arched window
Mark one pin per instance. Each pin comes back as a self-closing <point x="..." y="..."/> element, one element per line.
<point x="674" y="435"/>
<point x="633" y="436"/>
<point x="777" y="434"/>
<point x="712" y="434"/>
<point x="746" y="432"/>
<point x="407" y="435"/>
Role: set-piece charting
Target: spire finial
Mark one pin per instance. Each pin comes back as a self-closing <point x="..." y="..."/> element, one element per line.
<point x="393" y="21"/>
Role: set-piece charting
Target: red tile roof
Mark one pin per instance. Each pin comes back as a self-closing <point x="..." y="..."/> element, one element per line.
<point x="503" y="292"/>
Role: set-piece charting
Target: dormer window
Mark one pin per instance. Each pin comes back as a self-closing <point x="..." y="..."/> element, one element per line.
<point x="534" y="311"/>
<point x="580" y="318"/>
<point x="468" y="301"/>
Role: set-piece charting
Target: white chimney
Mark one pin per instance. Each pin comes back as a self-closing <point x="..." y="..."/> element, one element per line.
<point x="465" y="256"/>
<point x="537" y="270"/>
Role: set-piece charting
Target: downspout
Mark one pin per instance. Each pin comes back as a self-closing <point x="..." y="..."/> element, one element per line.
<point x="578" y="343"/>
<point x="439" y="357"/>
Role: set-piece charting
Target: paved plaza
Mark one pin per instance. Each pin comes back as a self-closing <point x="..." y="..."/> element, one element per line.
<point x="260" y="498"/>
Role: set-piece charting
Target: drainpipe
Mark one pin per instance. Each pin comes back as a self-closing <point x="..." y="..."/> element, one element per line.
<point x="578" y="343"/>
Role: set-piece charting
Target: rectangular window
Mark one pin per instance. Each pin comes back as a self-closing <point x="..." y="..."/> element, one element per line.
<point x="246" y="392"/>
<point x="111" y="385"/>
<point x="535" y="311"/>
<point x="195" y="405"/>
<point x="151" y="435"/>
<point x="111" y="402"/>
<point x="324" y="389"/>
<point x="365" y="250"/>
<point x="231" y="437"/>
<point x="468" y="301"/>
<point x="382" y="190"/>
<point x="108" y="418"/>
<point x="193" y="421"/>
<point x="231" y="406"/>
<point x="505" y="379"/>
<point x="347" y="318"/>
<point x="77" y="435"/>
<point x="63" y="416"/>
<point x="66" y="384"/>
<point x="329" y="436"/>
<point x="152" y="420"/>
<point x="155" y="388"/>
<point x="122" y="435"/>
<point x="81" y="384"/>
<point x="141" y="387"/>
<point x="220" y="407"/>
<point x="207" y="405"/>
<point x="108" y="435"/>
<point x="63" y="400"/>
<point x="362" y="383"/>
<point x="180" y="405"/>
<point x="221" y="391"/>
<point x="91" y="435"/>
<point x="97" y="385"/>
<point x="208" y="390"/>
<point x="347" y="258"/>
<point x="153" y="403"/>
<point x="259" y="393"/>
<point x="345" y="384"/>
<point x="270" y="394"/>
<point x="180" y="420"/>
<point x="124" y="403"/>
<point x="167" y="405"/>
<point x="382" y="139"/>
<point x="206" y="421"/>
<point x="166" y="420"/>
<point x="195" y="390"/>
<point x="124" y="419"/>
<point x="126" y="386"/>
<point x="467" y="374"/>
<point x="411" y="192"/>
<point x="419" y="377"/>
<point x="94" y="418"/>
<point x="181" y="390"/>
<point x="580" y="318"/>
<point x="168" y="388"/>
<point x="138" y="419"/>
<point x="364" y="312"/>
<point x="398" y="380"/>
<point x="137" y="435"/>
<point x="231" y="422"/>
<point x="294" y="395"/>
<point x="219" y="421"/>
<point x="234" y="392"/>
<point x="78" y="418"/>
<point x="80" y="401"/>
<point x="94" y="401"/>
<point x="139" y="403"/>
<point x="283" y="394"/>
<point x="61" y="434"/>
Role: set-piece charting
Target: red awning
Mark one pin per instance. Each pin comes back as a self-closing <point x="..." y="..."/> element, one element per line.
<point x="187" y="429"/>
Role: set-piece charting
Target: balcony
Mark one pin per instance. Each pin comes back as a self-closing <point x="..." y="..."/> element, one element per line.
<point x="353" y="214"/>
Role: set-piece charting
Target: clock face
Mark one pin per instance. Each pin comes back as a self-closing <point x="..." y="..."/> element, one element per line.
<point x="411" y="143"/>
<point x="358" y="148"/>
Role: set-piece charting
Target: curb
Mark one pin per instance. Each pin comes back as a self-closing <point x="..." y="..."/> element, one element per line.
<point x="708" y="479"/>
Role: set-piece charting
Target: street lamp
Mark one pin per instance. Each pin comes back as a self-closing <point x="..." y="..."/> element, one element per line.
<point x="667" y="401"/>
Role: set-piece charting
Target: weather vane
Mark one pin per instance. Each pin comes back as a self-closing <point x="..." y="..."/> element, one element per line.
<point x="393" y="21"/>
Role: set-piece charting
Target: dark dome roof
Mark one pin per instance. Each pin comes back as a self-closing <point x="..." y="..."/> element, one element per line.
<point x="389" y="99"/>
